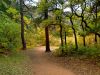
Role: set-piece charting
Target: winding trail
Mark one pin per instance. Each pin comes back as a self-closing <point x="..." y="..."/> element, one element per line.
<point x="42" y="65"/>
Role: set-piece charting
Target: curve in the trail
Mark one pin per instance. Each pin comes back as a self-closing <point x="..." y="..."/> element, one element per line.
<point x="43" y="66"/>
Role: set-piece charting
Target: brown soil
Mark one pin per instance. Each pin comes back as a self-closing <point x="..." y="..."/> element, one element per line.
<point x="46" y="64"/>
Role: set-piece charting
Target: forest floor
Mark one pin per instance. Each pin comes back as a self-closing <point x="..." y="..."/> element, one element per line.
<point x="46" y="64"/>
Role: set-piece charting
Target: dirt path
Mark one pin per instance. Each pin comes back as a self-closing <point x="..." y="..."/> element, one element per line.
<point x="43" y="66"/>
<point x="46" y="64"/>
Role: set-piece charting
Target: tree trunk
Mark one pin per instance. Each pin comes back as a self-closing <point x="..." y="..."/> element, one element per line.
<point x="22" y="25"/>
<point x="65" y="38"/>
<point x="76" y="43"/>
<point x="95" y="39"/>
<point x="61" y="35"/>
<point x="46" y="31"/>
<point x="84" y="43"/>
<point x="47" y="39"/>
<point x="96" y="25"/>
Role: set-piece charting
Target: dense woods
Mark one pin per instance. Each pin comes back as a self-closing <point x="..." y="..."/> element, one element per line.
<point x="72" y="26"/>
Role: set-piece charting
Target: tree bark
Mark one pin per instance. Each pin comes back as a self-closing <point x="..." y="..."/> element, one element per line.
<point x="96" y="24"/>
<point x="47" y="39"/>
<point x="74" y="31"/>
<point x="84" y="43"/>
<point x="86" y="25"/>
<point x="47" y="31"/>
<point x="22" y="25"/>
<point x="95" y="39"/>
<point x="65" y="39"/>
<point x="61" y="35"/>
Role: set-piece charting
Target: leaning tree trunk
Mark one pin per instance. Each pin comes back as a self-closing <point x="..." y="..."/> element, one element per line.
<point x="76" y="43"/>
<point x="22" y="25"/>
<point x="47" y="31"/>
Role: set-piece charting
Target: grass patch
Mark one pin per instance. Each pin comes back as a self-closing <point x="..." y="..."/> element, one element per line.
<point x="15" y="64"/>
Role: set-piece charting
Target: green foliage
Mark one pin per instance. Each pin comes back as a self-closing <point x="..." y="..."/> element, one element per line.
<point x="43" y="6"/>
<point x="67" y="50"/>
<point x="12" y="12"/>
<point x="9" y="33"/>
<point x="3" y="5"/>
<point x="87" y="52"/>
<point x="91" y="52"/>
<point x="81" y="33"/>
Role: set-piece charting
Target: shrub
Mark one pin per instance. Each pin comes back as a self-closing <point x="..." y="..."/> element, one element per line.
<point x="88" y="52"/>
<point x="67" y="50"/>
<point x="92" y="52"/>
<point x="9" y="33"/>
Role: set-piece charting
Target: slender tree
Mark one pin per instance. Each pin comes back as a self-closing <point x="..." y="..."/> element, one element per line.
<point x="65" y="38"/>
<point x="74" y="31"/>
<point x="71" y="21"/>
<point x="61" y="35"/>
<point x="22" y="25"/>
<point x="96" y="23"/>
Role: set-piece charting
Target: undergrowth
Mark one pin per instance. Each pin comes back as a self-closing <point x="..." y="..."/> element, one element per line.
<point x="88" y="51"/>
<point x="14" y="64"/>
